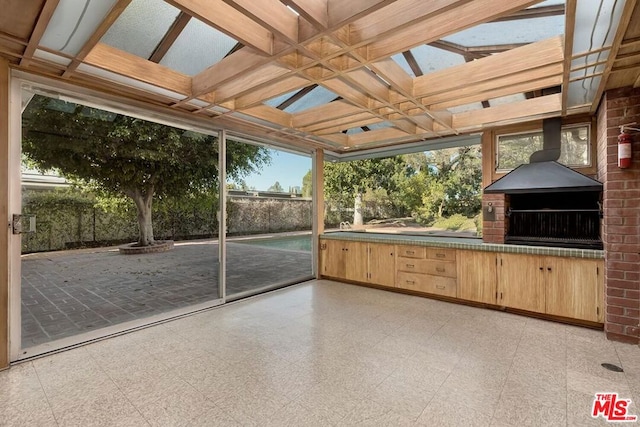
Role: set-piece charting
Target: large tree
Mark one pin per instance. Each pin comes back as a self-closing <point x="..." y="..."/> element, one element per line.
<point x="348" y="181"/>
<point x="123" y="155"/>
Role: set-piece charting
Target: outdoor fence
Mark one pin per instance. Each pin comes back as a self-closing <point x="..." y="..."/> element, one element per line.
<point x="67" y="225"/>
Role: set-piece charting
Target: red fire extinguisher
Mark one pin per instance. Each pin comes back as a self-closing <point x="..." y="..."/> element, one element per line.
<point x="624" y="149"/>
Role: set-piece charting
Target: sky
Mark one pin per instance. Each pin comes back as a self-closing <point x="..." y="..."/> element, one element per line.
<point x="288" y="169"/>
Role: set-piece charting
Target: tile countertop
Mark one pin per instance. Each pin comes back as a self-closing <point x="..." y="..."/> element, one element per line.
<point x="459" y="243"/>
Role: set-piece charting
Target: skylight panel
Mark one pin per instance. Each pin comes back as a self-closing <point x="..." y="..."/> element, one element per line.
<point x="141" y="27"/>
<point x="198" y="47"/>
<point x="510" y="32"/>
<point x="318" y="96"/>
<point x="73" y="23"/>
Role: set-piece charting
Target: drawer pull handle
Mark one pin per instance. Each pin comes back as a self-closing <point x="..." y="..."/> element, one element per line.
<point x="410" y="282"/>
<point x="440" y="287"/>
<point x="440" y="269"/>
<point x="411" y="252"/>
<point x="441" y="255"/>
<point x="410" y="266"/>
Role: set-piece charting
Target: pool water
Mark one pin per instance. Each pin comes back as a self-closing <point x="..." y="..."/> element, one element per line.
<point x="293" y="243"/>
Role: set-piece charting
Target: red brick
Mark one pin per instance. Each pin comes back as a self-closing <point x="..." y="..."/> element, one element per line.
<point x="624" y="248"/>
<point x="635" y="313"/>
<point x="622" y="229"/>
<point x="612" y="327"/>
<point x="622" y="284"/>
<point x="615" y="292"/>
<point x="624" y="266"/>
<point x="622" y="320"/>
<point x="631" y="257"/>
<point x="632" y="294"/>
<point x="618" y="311"/>
<point x="622" y="302"/>
<point x="631" y="239"/>
<point x="622" y="337"/>
<point x="632" y="203"/>
<point x="615" y="274"/>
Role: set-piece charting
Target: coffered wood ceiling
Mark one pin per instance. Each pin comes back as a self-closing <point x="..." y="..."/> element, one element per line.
<point x="343" y="48"/>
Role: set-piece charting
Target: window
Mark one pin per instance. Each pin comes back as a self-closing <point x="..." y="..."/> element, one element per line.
<point x="515" y="149"/>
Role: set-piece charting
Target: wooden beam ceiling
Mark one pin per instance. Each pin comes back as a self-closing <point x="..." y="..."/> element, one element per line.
<point x="346" y="47"/>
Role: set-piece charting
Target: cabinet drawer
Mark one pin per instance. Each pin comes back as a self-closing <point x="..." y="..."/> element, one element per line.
<point x="412" y="251"/>
<point x="441" y="254"/>
<point x="428" y="266"/>
<point x="427" y="283"/>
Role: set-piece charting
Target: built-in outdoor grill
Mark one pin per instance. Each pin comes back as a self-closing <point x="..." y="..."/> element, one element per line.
<point x="556" y="219"/>
<point x="549" y="204"/>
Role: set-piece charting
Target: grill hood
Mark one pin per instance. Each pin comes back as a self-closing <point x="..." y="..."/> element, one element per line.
<point x="543" y="174"/>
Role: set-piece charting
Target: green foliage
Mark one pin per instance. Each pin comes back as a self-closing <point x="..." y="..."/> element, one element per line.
<point x="60" y="198"/>
<point x="117" y="155"/>
<point x="427" y="186"/>
<point x="307" y="184"/>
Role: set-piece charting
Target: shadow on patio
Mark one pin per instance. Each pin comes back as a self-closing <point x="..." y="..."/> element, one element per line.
<point x="65" y="294"/>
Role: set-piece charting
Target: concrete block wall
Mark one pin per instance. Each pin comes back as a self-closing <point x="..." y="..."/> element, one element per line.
<point x="621" y="221"/>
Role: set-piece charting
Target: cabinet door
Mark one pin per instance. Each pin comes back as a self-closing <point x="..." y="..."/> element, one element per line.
<point x="521" y="280"/>
<point x="382" y="264"/>
<point x="574" y="288"/>
<point x="477" y="276"/>
<point x="332" y="258"/>
<point x="356" y="261"/>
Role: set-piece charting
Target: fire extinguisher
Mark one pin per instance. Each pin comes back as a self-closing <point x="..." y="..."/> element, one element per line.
<point x="624" y="149"/>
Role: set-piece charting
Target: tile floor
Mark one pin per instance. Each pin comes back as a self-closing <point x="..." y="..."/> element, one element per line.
<point x="322" y="354"/>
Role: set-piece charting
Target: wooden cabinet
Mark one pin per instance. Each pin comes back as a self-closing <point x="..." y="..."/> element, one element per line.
<point x="477" y="276"/>
<point x="430" y="270"/>
<point x="382" y="264"/>
<point x="567" y="287"/>
<point x="521" y="282"/>
<point x="575" y="288"/>
<point x="332" y="258"/>
<point x="358" y="261"/>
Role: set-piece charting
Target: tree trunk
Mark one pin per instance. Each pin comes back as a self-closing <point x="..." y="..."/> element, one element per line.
<point x="143" y="201"/>
<point x="357" y="210"/>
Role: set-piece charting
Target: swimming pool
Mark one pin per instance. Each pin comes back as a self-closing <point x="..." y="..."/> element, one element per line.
<point x="293" y="243"/>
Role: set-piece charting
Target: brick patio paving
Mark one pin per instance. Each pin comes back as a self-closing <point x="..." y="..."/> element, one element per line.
<point x="64" y="294"/>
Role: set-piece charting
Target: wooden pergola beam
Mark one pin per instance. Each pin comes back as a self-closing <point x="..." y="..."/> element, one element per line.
<point x="258" y="95"/>
<point x="41" y="25"/>
<point x="413" y="64"/>
<point x="516" y="82"/>
<point x="341" y="11"/>
<point x="274" y="16"/>
<point x="535" y="12"/>
<point x="314" y="11"/>
<point x="449" y="21"/>
<point x="322" y="113"/>
<point x="393" y="18"/>
<point x="249" y="81"/>
<point x="230" y="21"/>
<point x="497" y="92"/>
<point x="531" y="56"/>
<point x="228" y="69"/>
<point x="529" y="109"/>
<point x="102" y="29"/>
<point x="269" y="114"/>
<point x="126" y="64"/>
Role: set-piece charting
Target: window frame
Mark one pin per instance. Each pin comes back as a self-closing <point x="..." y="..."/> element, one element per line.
<point x="565" y="127"/>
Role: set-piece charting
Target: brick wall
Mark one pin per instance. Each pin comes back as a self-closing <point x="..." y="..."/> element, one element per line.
<point x="621" y="222"/>
<point x="494" y="231"/>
